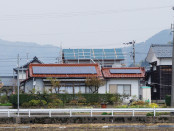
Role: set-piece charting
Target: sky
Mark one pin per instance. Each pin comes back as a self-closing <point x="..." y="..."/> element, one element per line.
<point x="84" y="23"/>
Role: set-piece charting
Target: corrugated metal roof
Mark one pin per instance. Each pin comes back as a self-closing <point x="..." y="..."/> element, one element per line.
<point x="162" y="51"/>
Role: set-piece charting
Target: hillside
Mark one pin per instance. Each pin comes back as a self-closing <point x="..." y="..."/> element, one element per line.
<point x="10" y="50"/>
<point x="141" y="49"/>
<point x="48" y="53"/>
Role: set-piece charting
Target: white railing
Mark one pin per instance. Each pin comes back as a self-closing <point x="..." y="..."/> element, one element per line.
<point x="78" y="112"/>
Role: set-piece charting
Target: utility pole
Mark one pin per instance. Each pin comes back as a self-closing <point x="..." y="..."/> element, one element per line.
<point x="133" y="49"/>
<point x="18" y="82"/>
<point x="172" y="87"/>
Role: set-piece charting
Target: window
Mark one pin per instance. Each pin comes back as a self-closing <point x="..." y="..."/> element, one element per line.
<point x="124" y="89"/>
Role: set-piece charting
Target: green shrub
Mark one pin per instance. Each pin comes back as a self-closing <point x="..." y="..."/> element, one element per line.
<point x="3" y="99"/>
<point x="37" y="102"/>
<point x="157" y="113"/>
<point x="104" y="113"/>
<point x="87" y="99"/>
<point x="6" y="104"/>
<point x="168" y="100"/>
<point x="26" y="104"/>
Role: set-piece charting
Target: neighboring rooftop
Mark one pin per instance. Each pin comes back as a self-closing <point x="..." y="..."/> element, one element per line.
<point x="124" y="72"/>
<point x="25" y="67"/>
<point x="162" y="51"/>
<point x="96" y="54"/>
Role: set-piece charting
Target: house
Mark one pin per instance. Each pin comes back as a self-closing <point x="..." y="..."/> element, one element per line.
<point x="71" y="77"/>
<point x="125" y="80"/>
<point x="24" y="68"/>
<point x="104" y="57"/>
<point x="160" y="74"/>
<point x="7" y="84"/>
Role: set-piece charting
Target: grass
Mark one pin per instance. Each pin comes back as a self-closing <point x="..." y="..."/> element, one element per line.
<point x="6" y="104"/>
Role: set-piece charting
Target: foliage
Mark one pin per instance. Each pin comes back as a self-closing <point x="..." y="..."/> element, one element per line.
<point x="94" y="82"/>
<point x="37" y="102"/>
<point x="26" y="104"/>
<point x="6" y="104"/>
<point x="153" y="105"/>
<point x="105" y="113"/>
<point x="115" y="99"/>
<point x="4" y="99"/>
<point x="168" y="100"/>
<point x="157" y="113"/>
<point x="84" y="99"/>
<point x="55" y="84"/>
<point x="55" y="103"/>
<point x="138" y="103"/>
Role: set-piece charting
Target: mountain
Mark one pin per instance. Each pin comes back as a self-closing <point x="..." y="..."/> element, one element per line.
<point x="141" y="49"/>
<point x="10" y="50"/>
<point x="48" y="53"/>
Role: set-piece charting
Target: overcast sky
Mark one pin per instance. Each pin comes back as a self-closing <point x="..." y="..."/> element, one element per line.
<point x="83" y="23"/>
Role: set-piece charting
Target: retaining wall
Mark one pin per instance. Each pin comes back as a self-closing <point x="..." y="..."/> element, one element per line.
<point x="66" y="120"/>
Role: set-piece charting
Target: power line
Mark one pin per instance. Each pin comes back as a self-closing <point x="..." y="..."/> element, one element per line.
<point x="71" y="14"/>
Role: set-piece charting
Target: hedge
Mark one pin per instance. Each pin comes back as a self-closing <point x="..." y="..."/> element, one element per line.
<point x="66" y="98"/>
<point x="168" y="100"/>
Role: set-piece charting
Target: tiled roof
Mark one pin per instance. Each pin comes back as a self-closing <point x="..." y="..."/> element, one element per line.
<point x="126" y="73"/>
<point x="162" y="51"/>
<point x="25" y="67"/>
<point x="63" y="75"/>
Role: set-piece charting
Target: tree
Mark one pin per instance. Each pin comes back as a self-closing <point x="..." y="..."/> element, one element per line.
<point x="94" y="83"/>
<point x="55" y="84"/>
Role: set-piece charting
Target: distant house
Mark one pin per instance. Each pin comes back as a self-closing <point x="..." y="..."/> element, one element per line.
<point x="71" y="76"/>
<point x="24" y="68"/>
<point x="124" y="80"/>
<point x="160" y="74"/>
<point x="105" y="57"/>
<point x="7" y="84"/>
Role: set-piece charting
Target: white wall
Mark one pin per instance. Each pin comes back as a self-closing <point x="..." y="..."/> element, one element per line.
<point x="134" y="82"/>
<point x="38" y="86"/>
<point x="22" y="75"/>
<point x="165" y="61"/>
<point x="151" y="57"/>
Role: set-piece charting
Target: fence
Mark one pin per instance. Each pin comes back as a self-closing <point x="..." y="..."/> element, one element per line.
<point x="77" y="112"/>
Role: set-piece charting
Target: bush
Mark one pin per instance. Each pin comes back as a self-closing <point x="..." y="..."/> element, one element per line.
<point x="26" y="104"/>
<point x="37" y="102"/>
<point x="157" y="113"/>
<point x="152" y="105"/>
<point x="6" y="104"/>
<point x="88" y="99"/>
<point x="168" y="100"/>
<point x="55" y="103"/>
<point x="138" y="103"/>
<point x="105" y="113"/>
<point x="3" y="99"/>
